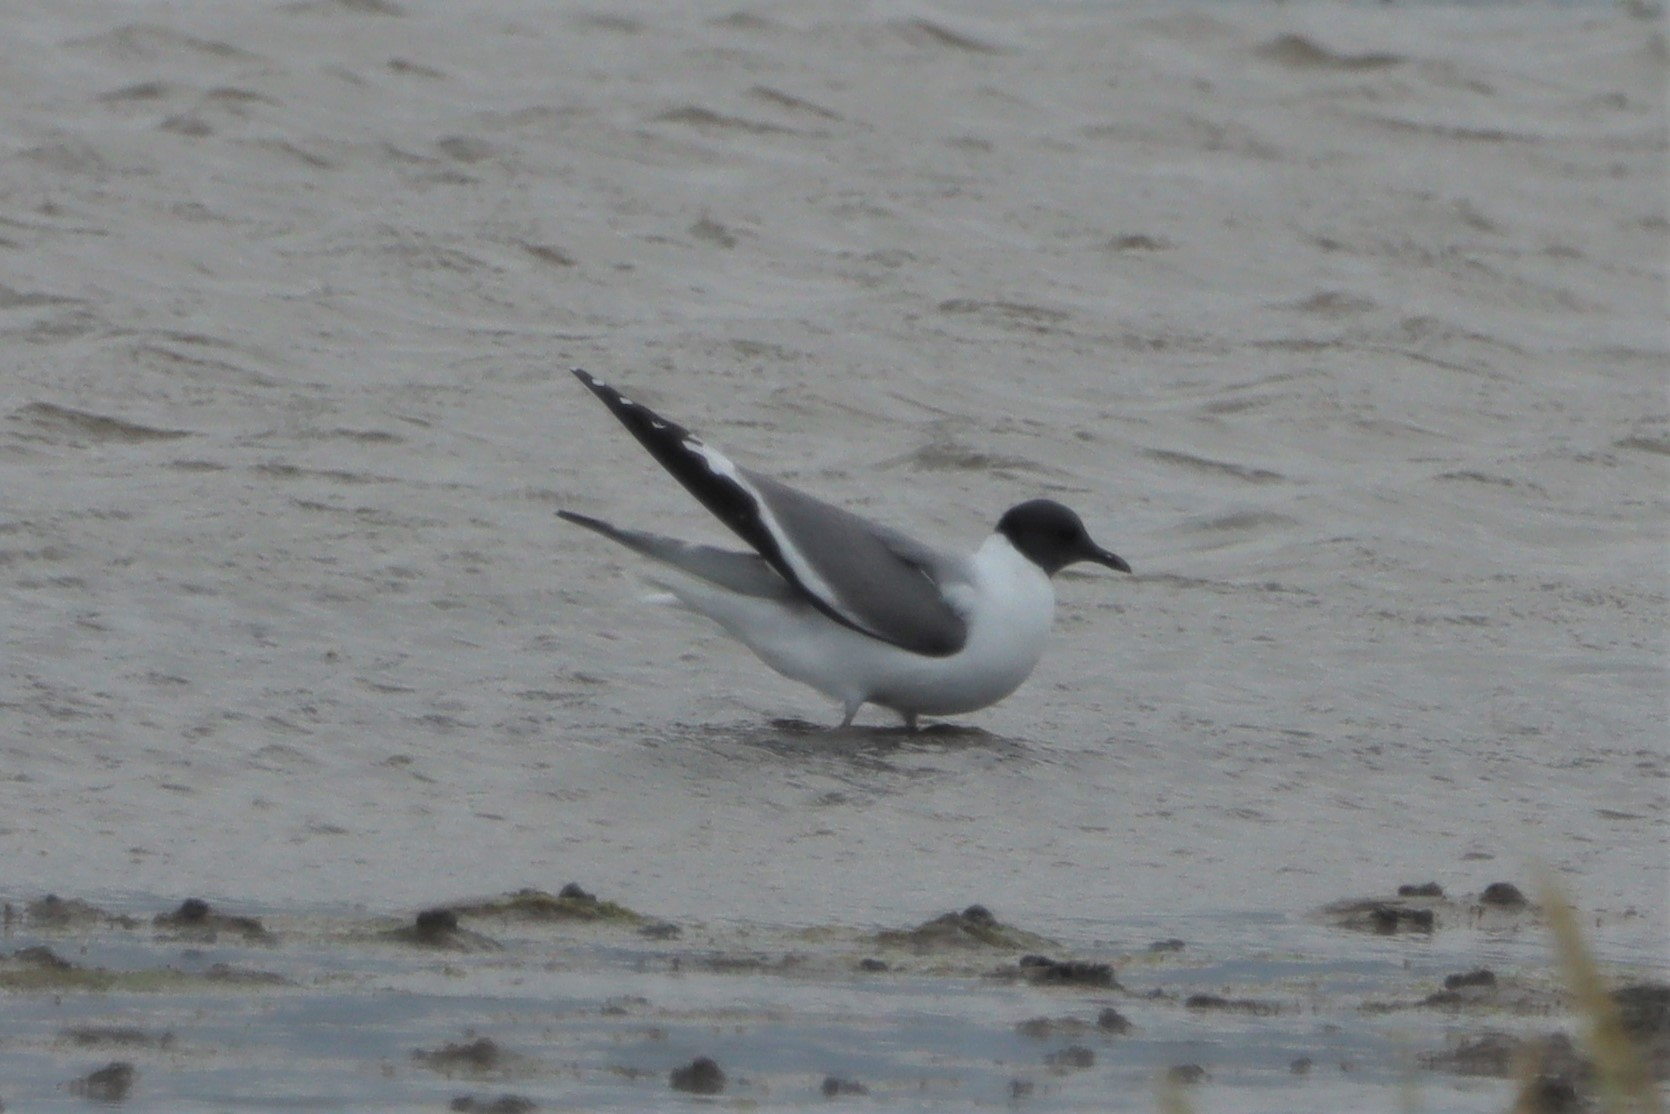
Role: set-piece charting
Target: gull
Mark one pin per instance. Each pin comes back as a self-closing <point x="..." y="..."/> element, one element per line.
<point x="857" y="610"/>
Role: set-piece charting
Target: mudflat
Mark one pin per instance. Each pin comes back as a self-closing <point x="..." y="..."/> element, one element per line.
<point x="1344" y="325"/>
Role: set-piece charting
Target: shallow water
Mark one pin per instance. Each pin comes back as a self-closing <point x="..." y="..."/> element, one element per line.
<point x="334" y="1015"/>
<point x="1344" y="325"/>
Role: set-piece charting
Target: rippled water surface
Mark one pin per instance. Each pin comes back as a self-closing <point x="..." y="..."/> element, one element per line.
<point x="1345" y="325"/>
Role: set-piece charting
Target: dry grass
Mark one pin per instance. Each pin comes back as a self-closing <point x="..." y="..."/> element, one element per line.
<point x="1172" y="1100"/>
<point x="1625" y="1084"/>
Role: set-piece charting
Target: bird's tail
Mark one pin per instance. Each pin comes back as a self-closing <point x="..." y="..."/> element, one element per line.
<point x="744" y="573"/>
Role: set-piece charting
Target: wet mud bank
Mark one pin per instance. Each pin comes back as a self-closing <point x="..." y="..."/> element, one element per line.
<point x="536" y="999"/>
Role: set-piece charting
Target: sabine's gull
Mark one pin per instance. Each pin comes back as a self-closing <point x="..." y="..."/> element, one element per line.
<point x="857" y="610"/>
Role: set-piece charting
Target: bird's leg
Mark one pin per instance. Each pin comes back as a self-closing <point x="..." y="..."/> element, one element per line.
<point x="910" y="721"/>
<point x="852" y="707"/>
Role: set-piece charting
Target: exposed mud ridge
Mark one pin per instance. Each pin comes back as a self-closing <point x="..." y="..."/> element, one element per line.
<point x="583" y="1007"/>
<point x="571" y="903"/>
<point x="974" y="927"/>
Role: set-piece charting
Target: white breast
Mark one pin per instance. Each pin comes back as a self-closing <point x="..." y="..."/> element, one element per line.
<point x="1009" y="605"/>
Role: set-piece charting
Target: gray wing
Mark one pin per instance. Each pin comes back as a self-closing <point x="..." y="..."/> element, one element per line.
<point x="876" y="580"/>
<point x="880" y="580"/>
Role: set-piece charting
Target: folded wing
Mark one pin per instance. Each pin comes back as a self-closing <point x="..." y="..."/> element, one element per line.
<point x="873" y="579"/>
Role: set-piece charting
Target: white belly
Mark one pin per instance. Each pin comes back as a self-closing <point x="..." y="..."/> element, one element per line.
<point x="1009" y="609"/>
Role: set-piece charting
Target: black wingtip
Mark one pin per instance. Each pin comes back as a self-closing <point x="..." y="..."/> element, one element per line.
<point x="622" y="407"/>
<point x="596" y="525"/>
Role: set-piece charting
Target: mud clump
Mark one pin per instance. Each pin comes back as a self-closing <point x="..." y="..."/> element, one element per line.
<point x="1549" y="1094"/>
<point x="1470" y="988"/>
<point x="197" y="920"/>
<point x="661" y="930"/>
<point x="120" y="1036"/>
<point x="478" y="1056"/>
<point x="41" y="968"/>
<point x="974" y="927"/>
<point x="1386" y="920"/>
<point x="1112" y="1021"/>
<point x="434" y="925"/>
<point x="1420" y="889"/>
<point x="1482" y="976"/>
<point x="504" y="1104"/>
<point x="701" y="1076"/>
<point x="1644" y="1014"/>
<point x="110" y="1083"/>
<point x="1644" y="1009"/>
<point x="1045" y="971"/>
<point x="244" y="976"/>
<point x="1559" y="1077"/>
<point x="1075" y="1057"/>
<point x="835" y="1087"/>
<point x="571" y="903"/>
<point x="41" y="958"/>
<point x="438" y="929"/>
<point x="1045" y="1028"/>
<point x="1383" y="916"/>
<point x="1186" y="1074"/>
<point x="1503" y="895"/>
<point x="1477" y="990"/>
<point x="1500" y="1055"/>
<point x="1253" y="1006"/>
<point x="54" y="912"/>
